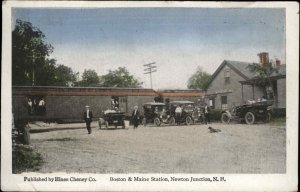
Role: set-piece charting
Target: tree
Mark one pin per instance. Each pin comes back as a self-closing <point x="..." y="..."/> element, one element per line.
<point x="199" y="80"/>
<point x="30" y="62"/>
<point x="264" y="71"/>
<point x="89" y="78"/>
<point x="29" y="52"/>
<point x="120" y="78"/>
<point x="64" y="76"/>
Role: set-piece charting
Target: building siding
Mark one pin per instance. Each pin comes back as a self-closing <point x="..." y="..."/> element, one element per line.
<point x="281" y="93"/>
<point x="232" y="89"/>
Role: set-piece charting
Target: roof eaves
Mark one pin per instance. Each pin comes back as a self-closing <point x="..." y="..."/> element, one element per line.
<point x="220" y="68"/>
<point x="215" y="74"/>
<point x="237" y="70"/>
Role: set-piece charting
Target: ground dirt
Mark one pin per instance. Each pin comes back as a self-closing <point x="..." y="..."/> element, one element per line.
<point x="238" y="148"/>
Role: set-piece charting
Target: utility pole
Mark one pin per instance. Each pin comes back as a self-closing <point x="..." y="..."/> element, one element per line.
<point x="149" y="69"/>
<point x="34" y="57"/>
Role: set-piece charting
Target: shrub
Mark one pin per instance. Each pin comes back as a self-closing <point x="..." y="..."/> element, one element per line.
<point x="24" y="158"/>
<point x="279" y="112"/>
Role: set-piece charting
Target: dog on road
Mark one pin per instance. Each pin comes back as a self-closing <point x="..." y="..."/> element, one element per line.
<point x="212" y="130"/>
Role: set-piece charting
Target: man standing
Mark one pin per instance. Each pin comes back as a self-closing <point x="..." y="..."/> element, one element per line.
<point x="88" y="116"/>
<point x="42" y="109"/>
<point x="206" y="114"/>
<point x="178" y="113"/>
<point x="30" y="107"/>
<point x="135" y="117"/>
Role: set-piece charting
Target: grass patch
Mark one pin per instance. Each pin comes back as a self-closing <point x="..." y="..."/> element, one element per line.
<point x="25" y="158"/>
<point x="278" y="121"/>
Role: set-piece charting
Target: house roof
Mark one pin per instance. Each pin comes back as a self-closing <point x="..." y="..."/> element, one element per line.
<point x="238" y="66"/>
<point x="278" y="74"/>
<point x="241" y="68"/>
<point x="281" y="70"/>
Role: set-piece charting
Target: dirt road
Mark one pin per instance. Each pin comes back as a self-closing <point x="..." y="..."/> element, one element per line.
<point x="238" y="148"/>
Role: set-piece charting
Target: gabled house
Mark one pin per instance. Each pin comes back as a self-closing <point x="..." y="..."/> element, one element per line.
<point x="234" y="84"/>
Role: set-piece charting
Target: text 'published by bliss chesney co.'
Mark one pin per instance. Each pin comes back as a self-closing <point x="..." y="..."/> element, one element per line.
<point x="59" y="179"/>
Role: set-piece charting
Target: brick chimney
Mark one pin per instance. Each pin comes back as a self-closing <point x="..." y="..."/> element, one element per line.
<point x="263" y="57"/>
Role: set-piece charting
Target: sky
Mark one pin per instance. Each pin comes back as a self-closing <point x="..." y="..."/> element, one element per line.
<point x="178" y="40"/>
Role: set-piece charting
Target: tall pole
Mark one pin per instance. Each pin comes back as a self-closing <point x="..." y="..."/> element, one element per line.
<point x="33" y="56"/>
<point x="33" y="65"/>
<point x="151" y="78"/>
<point x="149" y="69"/>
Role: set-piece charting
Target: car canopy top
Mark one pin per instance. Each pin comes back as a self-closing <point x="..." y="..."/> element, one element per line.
<point x="182" y="102"/>
<point x="154" y="104"/>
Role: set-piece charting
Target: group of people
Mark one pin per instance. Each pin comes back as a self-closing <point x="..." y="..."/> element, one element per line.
<point x="36" y="107"/>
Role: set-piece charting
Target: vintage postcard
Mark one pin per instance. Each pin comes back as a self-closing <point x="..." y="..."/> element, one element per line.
<point x="149" y="96"/>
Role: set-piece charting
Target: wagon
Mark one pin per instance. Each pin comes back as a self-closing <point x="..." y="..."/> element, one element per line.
<point x="249" y="113"/>
<point x="112" y="119"/>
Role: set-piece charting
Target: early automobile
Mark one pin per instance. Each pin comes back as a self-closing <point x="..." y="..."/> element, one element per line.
<point x="156" y="112"/>
<point x="190" y="112"/>
<point x="249" y="113"/>
<point x="112" y="118"/>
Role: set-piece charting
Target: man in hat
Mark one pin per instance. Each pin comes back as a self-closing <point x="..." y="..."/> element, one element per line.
<point x="88" y="116"/>
<point x="135" y="117"/>
<point x="206" y="114"/>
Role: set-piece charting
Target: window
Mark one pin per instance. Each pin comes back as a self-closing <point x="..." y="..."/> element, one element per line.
<point x="227" y="75"/>
<point x="123" y="99"/>
<point x="114" y="102"/>
<point x="212" y="103"/>
<point x="224" y="102"/>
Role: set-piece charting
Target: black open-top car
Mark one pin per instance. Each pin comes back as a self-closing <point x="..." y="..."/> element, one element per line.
<point x="112" y="118"/>
<point x="190" y="112"/>
<point x="249" y="113"/>
<point x="156" y="112"/>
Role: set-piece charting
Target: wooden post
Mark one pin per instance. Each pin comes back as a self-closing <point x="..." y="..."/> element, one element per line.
<point x="243" y="93"/>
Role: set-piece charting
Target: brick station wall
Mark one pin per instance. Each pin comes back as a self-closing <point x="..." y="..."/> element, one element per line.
<point x="68" y="104"/>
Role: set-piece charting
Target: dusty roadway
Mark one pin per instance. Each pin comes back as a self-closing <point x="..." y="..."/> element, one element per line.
<point x="238" y="148"/>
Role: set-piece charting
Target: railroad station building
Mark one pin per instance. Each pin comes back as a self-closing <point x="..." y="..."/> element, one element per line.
<point x="67" y="103"/>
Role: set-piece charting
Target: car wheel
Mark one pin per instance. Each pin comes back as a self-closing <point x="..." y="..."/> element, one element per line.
<point x="157" y="121"/>
<point x="249" y="118"/>
<point x="172" y="121"/>
<point x="225" y="118"/>
<point x="188" y="120"/>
